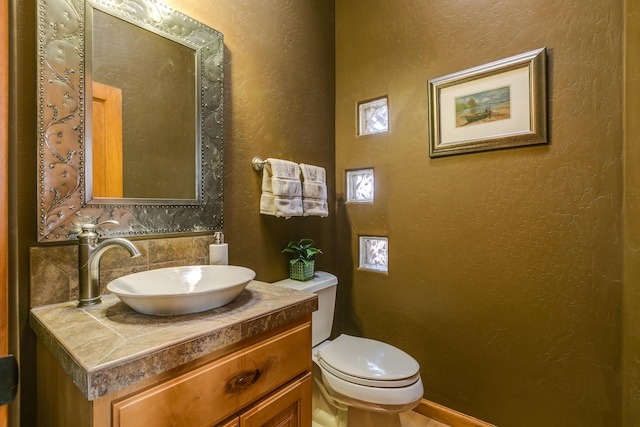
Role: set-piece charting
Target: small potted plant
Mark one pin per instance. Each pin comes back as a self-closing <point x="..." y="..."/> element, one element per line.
<point x="302" y="266"/>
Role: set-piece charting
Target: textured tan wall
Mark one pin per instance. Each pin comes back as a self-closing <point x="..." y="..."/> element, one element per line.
<point x="631" y="301"/>
<point x="505" y="267"/>
<point x="279" y="102"/>
<point x="279" y="79"/>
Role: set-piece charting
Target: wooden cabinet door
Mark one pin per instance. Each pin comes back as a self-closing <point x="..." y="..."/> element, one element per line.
<point x="289" y="407"/>
<point x="233" y="423"/>
<point x="218" y="390"/>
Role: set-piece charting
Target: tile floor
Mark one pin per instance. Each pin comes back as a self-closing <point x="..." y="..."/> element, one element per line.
<point x="414" y="419"/>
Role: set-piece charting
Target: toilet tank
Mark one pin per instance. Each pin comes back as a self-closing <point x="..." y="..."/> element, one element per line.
<point x="324" y="285"/>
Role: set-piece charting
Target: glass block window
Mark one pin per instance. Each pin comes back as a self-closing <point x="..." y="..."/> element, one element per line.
<point x="360" y="185"/>
<point x="374" y="253"/>
<point x="373" y="117"/>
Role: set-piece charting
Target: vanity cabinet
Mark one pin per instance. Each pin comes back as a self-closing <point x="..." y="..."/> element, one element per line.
<point x="261" y="381"/>
<point x="288" y="407"/>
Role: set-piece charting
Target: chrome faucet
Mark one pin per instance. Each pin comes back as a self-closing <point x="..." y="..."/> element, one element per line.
<point x="89" y="254"/>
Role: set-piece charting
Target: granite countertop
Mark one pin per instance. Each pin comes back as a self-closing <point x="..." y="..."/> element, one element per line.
<point x="109" y="346"/>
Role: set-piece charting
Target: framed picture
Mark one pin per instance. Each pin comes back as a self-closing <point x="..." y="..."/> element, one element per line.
<point x="496" y="105"/>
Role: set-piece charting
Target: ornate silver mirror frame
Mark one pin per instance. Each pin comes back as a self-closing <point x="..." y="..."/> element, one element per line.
<point x="64" y="199"/>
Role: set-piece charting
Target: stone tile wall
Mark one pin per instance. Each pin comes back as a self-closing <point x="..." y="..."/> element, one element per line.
<point x="54" y="269"/>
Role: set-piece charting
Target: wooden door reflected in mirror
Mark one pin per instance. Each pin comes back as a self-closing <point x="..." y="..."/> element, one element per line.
<point x="107" y="141"/>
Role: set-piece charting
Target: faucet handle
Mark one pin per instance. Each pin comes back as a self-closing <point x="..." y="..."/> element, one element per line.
<point x="90" y="230"/>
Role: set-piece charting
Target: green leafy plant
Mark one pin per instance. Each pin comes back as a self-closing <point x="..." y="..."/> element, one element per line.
<point x="303" y="249"/>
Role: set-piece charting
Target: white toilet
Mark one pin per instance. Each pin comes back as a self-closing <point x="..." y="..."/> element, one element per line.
<point x="357" y="381"/>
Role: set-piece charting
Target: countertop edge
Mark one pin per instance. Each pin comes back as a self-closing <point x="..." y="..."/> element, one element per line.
<point x="70" y="365"/>
<point x="102" y="380"/>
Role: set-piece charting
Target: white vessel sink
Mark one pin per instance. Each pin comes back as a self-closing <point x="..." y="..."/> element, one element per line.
<point x="181" y="290"/>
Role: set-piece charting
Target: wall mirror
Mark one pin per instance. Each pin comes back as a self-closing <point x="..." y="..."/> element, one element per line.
<point x="130" y="119"/>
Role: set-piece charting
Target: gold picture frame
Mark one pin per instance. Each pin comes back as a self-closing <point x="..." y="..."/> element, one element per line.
<point x="496" y="105"/>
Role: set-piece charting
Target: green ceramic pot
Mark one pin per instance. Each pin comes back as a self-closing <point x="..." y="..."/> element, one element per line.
<point x="301" y="271"/>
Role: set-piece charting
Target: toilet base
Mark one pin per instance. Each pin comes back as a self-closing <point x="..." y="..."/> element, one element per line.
<point x="327" y="412"/>
<point x="335" y="410"/>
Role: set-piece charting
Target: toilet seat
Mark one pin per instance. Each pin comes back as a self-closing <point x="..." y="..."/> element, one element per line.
<point x="393" y="399"/>
<point x="368" y="363"/>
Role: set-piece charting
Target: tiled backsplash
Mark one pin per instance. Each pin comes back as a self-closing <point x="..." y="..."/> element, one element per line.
<point x="54" y="269"/>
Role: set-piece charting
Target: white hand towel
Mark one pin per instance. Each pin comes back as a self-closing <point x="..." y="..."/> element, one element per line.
<point x="286" y="187"/>
<point x="281" y="189"/>
<point x="313" y="207"/>
<point x="267" y="204"/>
<point x="288" y="207"/>
<point x="314" y="191"/>
<point x="282" y="168"/>
<point x="280" y="206"/>
<point x="313" y="173"/>
<point x="278" y="169"/>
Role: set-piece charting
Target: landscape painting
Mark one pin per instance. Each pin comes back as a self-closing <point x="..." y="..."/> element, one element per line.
<point x="501" y="104"/>
<point x="482" y="107"/>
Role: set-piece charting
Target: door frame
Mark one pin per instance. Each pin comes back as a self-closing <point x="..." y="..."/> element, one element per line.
<point x="4" y="189"/>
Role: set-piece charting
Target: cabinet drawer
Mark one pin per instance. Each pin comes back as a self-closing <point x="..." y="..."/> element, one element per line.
<point x="221" y="388"/>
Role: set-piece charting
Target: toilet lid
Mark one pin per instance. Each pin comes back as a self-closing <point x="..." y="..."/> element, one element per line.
<point x="368" y="362"/>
